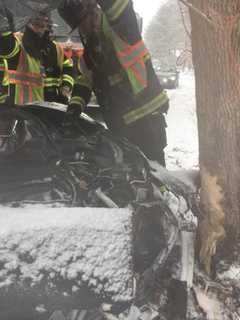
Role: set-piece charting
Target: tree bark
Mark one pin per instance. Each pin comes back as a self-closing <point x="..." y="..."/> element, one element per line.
<point x="216" y="58"/>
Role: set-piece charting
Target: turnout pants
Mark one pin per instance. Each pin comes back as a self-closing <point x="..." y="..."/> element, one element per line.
<point x="148" y="133"/>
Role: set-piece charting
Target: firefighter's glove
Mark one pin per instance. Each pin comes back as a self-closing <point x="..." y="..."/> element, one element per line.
<point x="73" y="12"/>
<point x="72" y="116"/>
<point x="64" y="94"/>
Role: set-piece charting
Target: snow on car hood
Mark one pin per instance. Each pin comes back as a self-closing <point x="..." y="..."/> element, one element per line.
<point x="87" y="245"/>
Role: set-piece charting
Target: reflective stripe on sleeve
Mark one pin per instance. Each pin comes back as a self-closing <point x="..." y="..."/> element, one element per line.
<point x="50" y="82"/>
<point x="13" y="52"/>
<point x="78" y="100"/>
<point x="7" y="33"/>
<point x="146" y="109"/>
<point x="68" y="78"/>
<point x="3" y="98"/>
<point x="116" y="9"/>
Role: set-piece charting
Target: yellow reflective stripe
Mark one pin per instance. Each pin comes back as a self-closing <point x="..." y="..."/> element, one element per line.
<point x="116" y="10"/>
<point x="3" y="70"/>
<point x="7" y="33"/>
<point x="68" y="63"/>
<point x="49" y="82"/>
<point x="68" y="79"/>
<point x="84" y="81"/>
<point x="5" y="81"/>
<point x="78" y="100"/>
<point x="13" y="53"/>
<point x="129" y="54"/>
<point x="146" y="109"/>
<point x="3" y="97"/>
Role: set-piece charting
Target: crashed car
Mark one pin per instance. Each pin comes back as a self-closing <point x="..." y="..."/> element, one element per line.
<point x="89" y="227"/>
<point x="168" y="77"/>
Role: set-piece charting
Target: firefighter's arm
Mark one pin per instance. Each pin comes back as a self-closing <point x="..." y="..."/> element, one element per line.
<point x="82" y="92"/>
<point x="121" y="15"/>
<point x="9" y="45"/>
<point x="67" y="76"/>
<point x="113" y="8"/>
<point x="81" y="95"/>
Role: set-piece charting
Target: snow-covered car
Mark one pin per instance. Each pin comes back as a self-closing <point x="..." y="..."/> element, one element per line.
<point x="168" y="77"/>
<point x="87" y="220"/>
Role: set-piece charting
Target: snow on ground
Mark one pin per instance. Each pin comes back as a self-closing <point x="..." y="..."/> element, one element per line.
<point x="182" y="135"/>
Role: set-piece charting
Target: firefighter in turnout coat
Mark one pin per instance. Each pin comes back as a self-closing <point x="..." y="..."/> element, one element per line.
<point x="119" y="71"/>
<point x="37" y="68"/>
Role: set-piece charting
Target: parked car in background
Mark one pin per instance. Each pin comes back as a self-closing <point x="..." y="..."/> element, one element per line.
<point x="168" y="77"/>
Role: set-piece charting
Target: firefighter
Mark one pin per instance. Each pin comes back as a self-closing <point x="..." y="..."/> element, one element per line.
<point x="4" y="82"/>
<point x="35" y="63"/>
<point x="59" y="74"/>
<point x="121" y="73"/>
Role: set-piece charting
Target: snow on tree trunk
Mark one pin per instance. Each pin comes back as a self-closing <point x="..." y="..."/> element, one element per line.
<point x="216" y="57"/>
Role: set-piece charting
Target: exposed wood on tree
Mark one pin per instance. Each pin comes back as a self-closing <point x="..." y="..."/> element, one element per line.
<point x="212" y="225"/>
<point x="217" y="68"/>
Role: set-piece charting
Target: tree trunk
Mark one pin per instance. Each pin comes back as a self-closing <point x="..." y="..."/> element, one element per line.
<point x="216" y="58"/>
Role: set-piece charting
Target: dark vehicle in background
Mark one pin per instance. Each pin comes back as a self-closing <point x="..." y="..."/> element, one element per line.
<point x="168" y="77"/>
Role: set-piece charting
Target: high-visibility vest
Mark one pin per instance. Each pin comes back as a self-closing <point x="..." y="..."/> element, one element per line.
<point x="27" y="79"/>
<point x="131" y="57"/>
<point x="5" y="80"/>
<point x="133" y="60"/>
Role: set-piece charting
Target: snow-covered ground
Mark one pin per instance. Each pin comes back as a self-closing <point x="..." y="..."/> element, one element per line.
<point x="182" y="135"/>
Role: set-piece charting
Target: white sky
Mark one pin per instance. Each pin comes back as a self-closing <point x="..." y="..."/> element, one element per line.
<point x="147" y="9"/>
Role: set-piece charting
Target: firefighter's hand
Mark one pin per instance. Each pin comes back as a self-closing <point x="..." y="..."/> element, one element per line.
<point x="64" y="95"/>
<point x="65" y="91"/>
<point x="72" y="116"/>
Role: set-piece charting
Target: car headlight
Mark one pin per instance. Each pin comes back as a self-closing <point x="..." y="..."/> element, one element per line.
<point x="173" y="78"/>
<point x="165" y="80"/>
